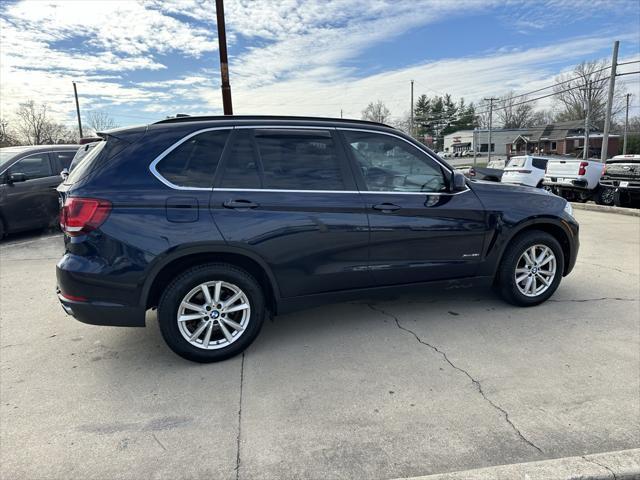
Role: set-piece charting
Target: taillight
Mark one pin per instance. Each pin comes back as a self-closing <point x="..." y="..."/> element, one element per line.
<point x="79" y="216"/>
<point x="583" y="168"/>
<point x="523" y="171"/>
<point x="604" y="170"/>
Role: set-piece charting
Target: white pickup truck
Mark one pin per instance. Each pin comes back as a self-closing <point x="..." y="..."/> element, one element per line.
<point x="575" y="179"/>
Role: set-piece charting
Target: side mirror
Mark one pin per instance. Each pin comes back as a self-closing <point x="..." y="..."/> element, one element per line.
<point x="16" y="177"/>
<point x="64" y="173"/>
<point x="458" y="182"/>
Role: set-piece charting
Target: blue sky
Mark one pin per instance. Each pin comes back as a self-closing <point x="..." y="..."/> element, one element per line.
<point x="139" y="61"/>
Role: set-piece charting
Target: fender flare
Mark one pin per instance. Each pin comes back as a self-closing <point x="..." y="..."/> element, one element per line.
<point x="213" y="248"/>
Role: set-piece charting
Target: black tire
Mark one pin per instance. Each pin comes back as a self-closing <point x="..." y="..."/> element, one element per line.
<point x="605" y="196"/>
<point x="177" y="290"/>
<point x="505" y="279"/>
<point x="621" y="198"/>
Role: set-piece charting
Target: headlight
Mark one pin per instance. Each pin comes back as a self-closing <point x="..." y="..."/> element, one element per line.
<point x="568" y="208"/>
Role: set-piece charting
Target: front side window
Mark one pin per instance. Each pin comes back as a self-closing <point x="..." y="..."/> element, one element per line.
<point x="33" y="166"/>
<point x="193" y="163"/>
<point x="393" y="165"/>
<point x="299" y="160"/>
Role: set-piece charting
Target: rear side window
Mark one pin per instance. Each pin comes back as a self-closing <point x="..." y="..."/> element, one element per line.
<point x="241" y="166"/>
<point x="63" y="159"/>
<point x="299" y="160"/>
<point x="33" y="166"/>
<point x="539" y="163"/>
<point x="193" y="163"/>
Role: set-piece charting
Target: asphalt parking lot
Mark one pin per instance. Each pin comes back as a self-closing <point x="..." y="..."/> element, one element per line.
<point x="398" y="387"/>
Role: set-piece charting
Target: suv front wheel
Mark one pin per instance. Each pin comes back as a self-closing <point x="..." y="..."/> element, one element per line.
<point x="531" y="269"/>
<point x="211" y="312"/>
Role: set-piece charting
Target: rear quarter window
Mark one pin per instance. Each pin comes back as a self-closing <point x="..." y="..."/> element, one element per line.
<point x="193" y="163"/>
<point x="539" y="163"/>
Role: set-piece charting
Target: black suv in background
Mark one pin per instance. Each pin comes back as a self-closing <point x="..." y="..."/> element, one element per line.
<point x="219" y="221"/>
<point x="28" y="180"/>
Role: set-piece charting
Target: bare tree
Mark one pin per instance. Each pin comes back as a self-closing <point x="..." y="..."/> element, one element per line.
<point x="376" y="112"/>
<point x="100" y="121"/>
<point x="542" y="117"/>
<point x="7" y="135"/>
<point x="34" y="127"/>
<point x="573" y="94"/>
<point x="515" y="111"/>
<point x="32" y="122"/>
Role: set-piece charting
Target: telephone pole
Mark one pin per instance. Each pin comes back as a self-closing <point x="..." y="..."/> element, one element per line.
<point x="607" y="118"/>
<point x="490" y="100"/>
<point x="411" y="122"/>
<point x="224" y="62"/>
<point x="626" y="126"/>
<point x="587" y="108"/>
<point x="75" y="92"/>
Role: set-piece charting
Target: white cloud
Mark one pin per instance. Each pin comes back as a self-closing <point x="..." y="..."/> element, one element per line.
<point x="287" y="56"/>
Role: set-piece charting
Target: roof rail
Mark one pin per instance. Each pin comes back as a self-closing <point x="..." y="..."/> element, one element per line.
<point x="181" y="118"/>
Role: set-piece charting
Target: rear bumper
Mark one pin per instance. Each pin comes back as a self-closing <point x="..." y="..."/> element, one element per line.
<point x="101" y="313"/>
<point x="570" y="184"/>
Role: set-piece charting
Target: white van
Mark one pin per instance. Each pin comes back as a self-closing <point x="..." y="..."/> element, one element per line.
<point x="525" y="170"/>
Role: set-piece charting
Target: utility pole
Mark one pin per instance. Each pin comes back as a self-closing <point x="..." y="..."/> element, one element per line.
<point x="411" y="122"/>
<point x="607" y="118"/>
<point x="490" y="100"/>
<point x="224" y="62"/>
<point x="475" y="145"/>
<point x="75" y="92"/>
<point x="340" y="113"/>
<point x="587" y="108"/>
<point x="626" y="126"/>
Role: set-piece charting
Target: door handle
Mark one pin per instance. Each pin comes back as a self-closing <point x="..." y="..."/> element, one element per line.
<point x="239" y="204"/>
<point x="386" y="207"/>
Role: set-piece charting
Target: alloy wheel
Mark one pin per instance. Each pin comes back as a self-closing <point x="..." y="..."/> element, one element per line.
<point x="213" y="315"/>
<point x="535" y="270"/>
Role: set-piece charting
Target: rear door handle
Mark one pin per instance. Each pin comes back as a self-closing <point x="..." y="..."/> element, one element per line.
<point x="386" y="207"/>
<point x="239" y="204"/>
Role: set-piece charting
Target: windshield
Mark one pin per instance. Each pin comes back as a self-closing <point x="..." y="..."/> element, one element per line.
<point x="84" y="164"/>
<point x="81" y="154"/>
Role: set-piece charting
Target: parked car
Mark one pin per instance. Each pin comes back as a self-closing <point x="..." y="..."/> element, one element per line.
<point x="219" y="222"/>
<point x="620" y="180"/>
<point x="525" y="170"/>
<point x="491" y="173"/>
<point x="576" y="180"/>
<point x="28" y="178"/>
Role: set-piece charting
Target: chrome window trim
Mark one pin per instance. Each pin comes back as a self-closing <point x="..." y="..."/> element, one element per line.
<point x="158" y="159"/>
<point x="155" y="173"/>
<point x="274" y="190"/>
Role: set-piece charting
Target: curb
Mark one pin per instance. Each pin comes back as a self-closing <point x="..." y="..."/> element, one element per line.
<point x="633" y="212"/>
<point x="620" y="465"/>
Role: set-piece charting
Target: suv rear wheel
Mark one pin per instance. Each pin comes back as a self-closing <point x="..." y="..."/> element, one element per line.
<point x="211" y="312"/>
<point x="531" y="269"/>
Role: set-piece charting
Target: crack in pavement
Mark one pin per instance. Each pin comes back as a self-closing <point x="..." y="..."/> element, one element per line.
<point x="615" y="477"/>
<point x="618" y="299"/>
<point x="239" y="420"/>
<point x="158" y="442"/>
<point x="608" y="267"/>
<point x="475" y="382"/>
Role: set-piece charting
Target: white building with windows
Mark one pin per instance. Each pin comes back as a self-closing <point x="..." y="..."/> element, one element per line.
<point x="463" y="140"/>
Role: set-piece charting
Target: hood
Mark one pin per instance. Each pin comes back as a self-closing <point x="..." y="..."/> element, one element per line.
<point x="481" y="185"/>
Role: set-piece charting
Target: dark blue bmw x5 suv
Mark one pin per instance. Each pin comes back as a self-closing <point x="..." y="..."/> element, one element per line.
<point x="220" y="221"/>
